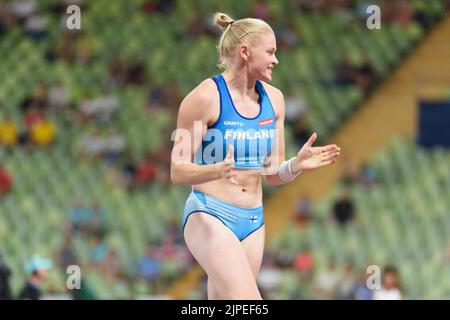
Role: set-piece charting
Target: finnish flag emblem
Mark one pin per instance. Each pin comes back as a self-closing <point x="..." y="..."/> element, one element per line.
<point x="253" y="219"/>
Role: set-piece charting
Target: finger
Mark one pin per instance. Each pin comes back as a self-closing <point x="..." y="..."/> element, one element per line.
<point x="229" y="159"/>
<point x="330" y="147"/>
<point x="326" y="163"/>
<point x="230" y="154"/>
<point x="311" y="140"/>
<point x="233" y="181"/>
<point x="330" y="156"/>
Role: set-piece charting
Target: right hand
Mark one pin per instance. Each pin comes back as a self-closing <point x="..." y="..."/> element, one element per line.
<point x="226" y="168"/>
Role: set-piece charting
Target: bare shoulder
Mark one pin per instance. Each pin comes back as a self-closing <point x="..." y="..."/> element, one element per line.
<point x="203" y="102"/>
<point x="276" y="97"/>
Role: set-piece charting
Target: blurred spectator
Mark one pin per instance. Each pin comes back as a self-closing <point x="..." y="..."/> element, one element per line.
<point x="116" y="74"/>
<point x="149" y="267"/>
<point x="345" y="73"/>
<point x="23" y="9"/>
<point x="128" y="172"/>
<point x="32" y="117"/>
<point x="303" y="212"/>
<point x="38" y="99"/>
<point x="88" y="220"/>
<point x="326" y="281"/>
<point x="390" y="285"/>
<point x="156" y="98"/>
<point x="79" y="216"/>
<point x="261" y="10"/>
<point x="173" y="228"/>
<point x="65" y="45"/>
<point x="35" y="27"/>
<point x="304" y="263"/>
<point x="58" y="97"/>
<point x="6" y="180"/>
<point x="288" y="36"/>
<point x="43" y="133"/>
<point x="365" y="75"/>
<point x="162" y="6"/>
<point x="83" y="53"/>
<point x="163" y="176"/>
<point x="344" y="290"/>
<point x="98" y="222"/>
<point x="146" y="171"/>
<point x="171" y="250"/>
<point x="367" y="175"/>
<point x="99" y="252"/>
<point x="5" y="275"/>
<point x="114" y="145"/>
<point x="284" y="257"/>
<point x="91" y="145"/>
<point x="100" y="109"/>
<point x="9" y="132"/>
<point x="37" y="268"/>
<point x="269" y="277"/>
<point x="111" y="267"/>
<point x="198" y="26"/>
<point x="343" y="209"/>
<point x="66" y="255"/>
<point x="361" y="291"/>
<point x="136" y="72"/>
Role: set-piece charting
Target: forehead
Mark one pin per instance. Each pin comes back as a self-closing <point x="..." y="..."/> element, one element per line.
<point x="266" y="39"/>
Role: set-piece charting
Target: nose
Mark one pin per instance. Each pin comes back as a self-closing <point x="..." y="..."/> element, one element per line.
<point x="275" y="60"/>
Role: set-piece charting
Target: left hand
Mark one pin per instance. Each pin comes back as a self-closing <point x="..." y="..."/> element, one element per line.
<point x="310" y="158"/>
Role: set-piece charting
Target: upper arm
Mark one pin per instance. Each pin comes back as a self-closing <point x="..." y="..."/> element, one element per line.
<point x="198" y="109"/>
<point x="277" y="155"/>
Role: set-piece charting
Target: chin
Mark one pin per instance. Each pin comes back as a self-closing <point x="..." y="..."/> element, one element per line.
<point x="266" y="77"/>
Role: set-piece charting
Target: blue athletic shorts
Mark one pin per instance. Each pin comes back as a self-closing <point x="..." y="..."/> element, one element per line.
<point x="241" y="221"/>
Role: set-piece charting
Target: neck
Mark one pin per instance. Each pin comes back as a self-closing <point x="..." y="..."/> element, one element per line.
<point x="240" y="81"/>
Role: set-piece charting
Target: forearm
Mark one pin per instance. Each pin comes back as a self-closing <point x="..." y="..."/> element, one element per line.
<point x="274" y="180"/>
<point x="191" y="173"/>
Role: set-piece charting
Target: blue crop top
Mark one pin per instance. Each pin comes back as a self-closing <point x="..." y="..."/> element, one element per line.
<point x="252" y="138"/>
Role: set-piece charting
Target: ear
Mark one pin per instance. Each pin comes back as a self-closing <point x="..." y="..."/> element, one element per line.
<point x="244" y="51"/>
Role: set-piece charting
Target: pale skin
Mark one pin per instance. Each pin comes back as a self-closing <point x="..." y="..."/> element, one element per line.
<point x="232" y="266"/>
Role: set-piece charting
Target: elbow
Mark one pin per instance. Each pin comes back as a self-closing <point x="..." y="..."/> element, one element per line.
<point x="272" y="181"/>
<point x="175" y="177"/>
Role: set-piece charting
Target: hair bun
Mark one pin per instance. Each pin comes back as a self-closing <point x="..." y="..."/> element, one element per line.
<point x="222" y="20"/>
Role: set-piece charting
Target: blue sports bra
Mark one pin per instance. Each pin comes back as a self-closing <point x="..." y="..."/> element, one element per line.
<point x="252" y="138"/>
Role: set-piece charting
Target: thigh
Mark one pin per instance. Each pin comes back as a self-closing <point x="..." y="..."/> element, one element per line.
<point x="222" y="257"/>
<point x="254" y="249"/>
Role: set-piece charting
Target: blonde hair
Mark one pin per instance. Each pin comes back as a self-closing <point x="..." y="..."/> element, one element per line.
<point x="236" y="32"/>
